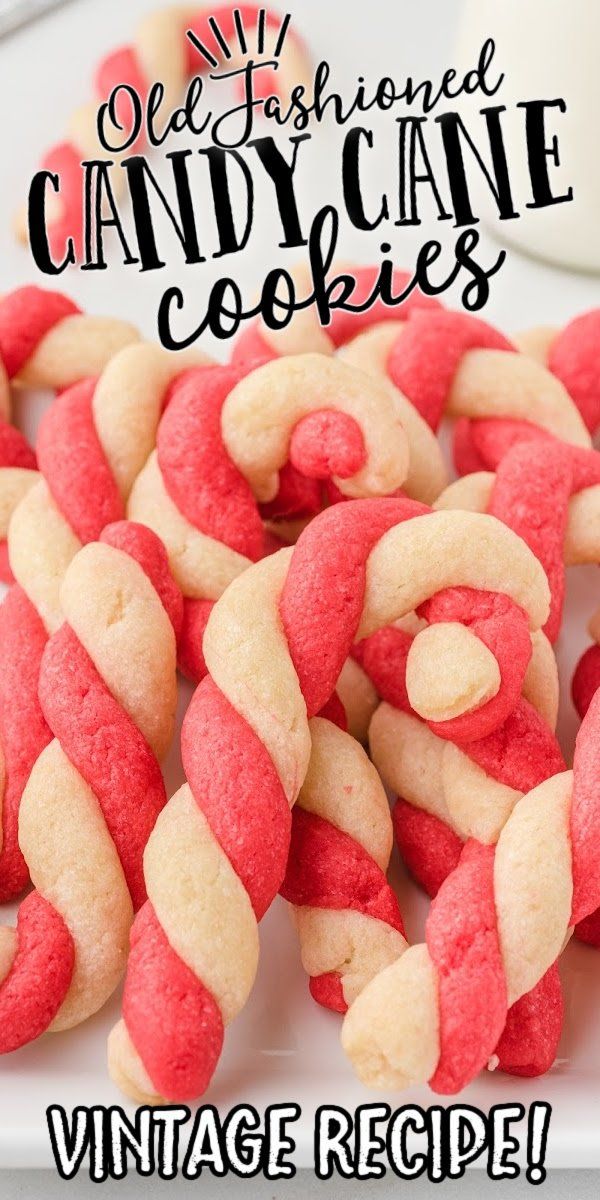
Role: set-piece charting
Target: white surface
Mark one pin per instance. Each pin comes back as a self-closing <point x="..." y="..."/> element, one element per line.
<point x="282" y="1048"/>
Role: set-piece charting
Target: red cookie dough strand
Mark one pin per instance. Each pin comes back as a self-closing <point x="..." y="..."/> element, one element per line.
<point x="520" y="753"/>
<point x="45" y="952"/>
<point x="308" y="603"/>
<point x="503" y="627"/>
<point x="329" y="869"/>
<point x="586" y="679"/>
<point x="82" y="484"/>
<point x="424" y="360"/>
<point x="462" y="939"/>
<point x="198" y="473"/>
<point x="495" y="619"/>
<point x="15" y="450"/>
<point x="574" y="357"/>
<point x="173" y="1020"/>
<point x="463" y="943"/>
<point x="26" y="316"/>
<point x="469" y="962"/>
<point x="239" y="792"/>
<point x="298" y="496"/>
<point x="533" y="1027"/>
<point x="326" y="444"/>
<point x="480" y="445"/>
<point x="328" y="991"/>
<point x="206" y="485"/>
<point x="585" y="816"/>
<point x="430" y="848"/>
<point x="190" y="656"/>
<point x="23" y="730"/>
<point x="107" y="749"/>
<point x="585" y="862"/>
<point x="533" y="485"/>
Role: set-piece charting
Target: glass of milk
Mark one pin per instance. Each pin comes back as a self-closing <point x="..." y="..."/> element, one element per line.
<point x="546" y="49"/>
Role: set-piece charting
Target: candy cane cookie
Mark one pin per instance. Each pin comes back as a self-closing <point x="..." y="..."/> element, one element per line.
<point x="454" y="364"/>
<point x="345" y="912"/>
<point x="549" y="493"/>
<point x="332" y="879"/>
<point x="108" y="694"/>
<point x="274" y="646"/>
<point x="92" y="442"/>
<point x="45" y="342"/>
<point x="161" y="52"/>
<point x="497" y="925"/>
<point x="225" y="441"/>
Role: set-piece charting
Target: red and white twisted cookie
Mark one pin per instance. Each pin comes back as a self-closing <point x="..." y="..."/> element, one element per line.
<point x="108" y="694"/>
<point x="45" y="342"/>
<point x="92" y="443"/>
<point x="549" y="493"/>
<point x="454" y="793"/>
<point x="454" y="364"/>
<point x="161" y="52"/>
<point x="224" y="446"/>
<point x="497" y="925"/>
<point x="346" y="914"/>
<point x="274" y="645"/>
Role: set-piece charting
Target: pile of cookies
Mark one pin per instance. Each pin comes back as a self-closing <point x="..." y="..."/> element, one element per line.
<point x="283" y="530"/>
